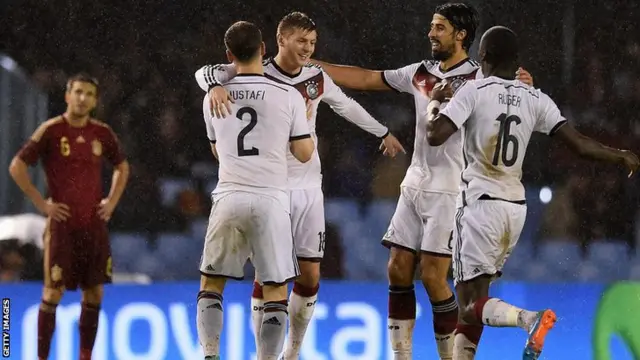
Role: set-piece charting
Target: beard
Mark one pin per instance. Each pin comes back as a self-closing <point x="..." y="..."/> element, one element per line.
<point x="442" y="53"/>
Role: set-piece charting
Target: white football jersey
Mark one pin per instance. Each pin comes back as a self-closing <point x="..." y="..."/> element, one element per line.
<point x="435" y="169"/>
<point x="253" y="141"/>
<point x="497" y="118"/>
<point x="315" y="86"/>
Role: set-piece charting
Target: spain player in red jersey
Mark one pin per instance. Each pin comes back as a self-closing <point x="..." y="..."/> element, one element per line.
<point x="72" y="147"/>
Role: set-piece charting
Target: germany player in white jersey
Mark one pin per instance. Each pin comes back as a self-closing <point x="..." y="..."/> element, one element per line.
<point x="422" y="225"/>
<point x="250" y="213"/>
<point x="496" y="116"/>
<point x="296" y="38"/>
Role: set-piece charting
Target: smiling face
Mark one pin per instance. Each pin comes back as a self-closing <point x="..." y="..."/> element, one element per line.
<point x="297" y="45"/>
<point x="444" y="38"/>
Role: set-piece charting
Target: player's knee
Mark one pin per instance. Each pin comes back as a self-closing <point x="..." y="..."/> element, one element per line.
<point x="212" y="284"/>
<point x="93" y="295"/>
<point x="52" y="295"/>
<point x="401" y="269"/>
<point x="434" y="270"/>
<point x="275" y="292"/>
<point x="309" y="274"/>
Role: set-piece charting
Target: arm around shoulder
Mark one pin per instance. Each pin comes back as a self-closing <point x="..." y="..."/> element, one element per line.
<point x="353" y="77"/>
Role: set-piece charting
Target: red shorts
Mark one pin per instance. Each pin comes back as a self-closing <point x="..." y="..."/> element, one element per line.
<point x="76" y="256"/>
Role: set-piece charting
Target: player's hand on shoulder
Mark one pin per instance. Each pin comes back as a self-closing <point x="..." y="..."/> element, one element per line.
<point x="524" y="76"/>
<point x="106" y="208"/>
<point x="441" y="91"/>
<point x="391" y="146"/>
<point x="630" y="160"/>
<point x="220" y="101"/>
<point x="57" y="211"/>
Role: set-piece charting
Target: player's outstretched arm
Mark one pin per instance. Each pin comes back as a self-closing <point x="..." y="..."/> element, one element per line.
<point x="354" y="77"/>
<point x="589" y="148"/>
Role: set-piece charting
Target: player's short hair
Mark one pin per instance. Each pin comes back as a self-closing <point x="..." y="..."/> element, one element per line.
<point x="82" y="77"/>
<point x="462" y="17"/>
<point x="296" y="20"/>
<point x="500" y="46"/>
<point x="243" y="40"/>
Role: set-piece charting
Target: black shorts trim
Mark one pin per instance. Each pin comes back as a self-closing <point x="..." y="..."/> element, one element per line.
<point x="310" y="259"/>
<point x="435" y="254"/>
<point x="273" y="283"/>
<point x="212" y="276"/>
<point x="491" y="198"/>
<point x="388" y="244"/>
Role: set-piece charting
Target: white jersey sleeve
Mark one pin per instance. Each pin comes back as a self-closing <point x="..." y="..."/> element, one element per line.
<point x="401" y="79"/>
<point x="461" y="106"/>
<point x="206" y="111"/>
<point x="210" y="75"/>
<point x="350" y="109"/>
<point x="549" y="118"/>
<point x="299" y="125"/>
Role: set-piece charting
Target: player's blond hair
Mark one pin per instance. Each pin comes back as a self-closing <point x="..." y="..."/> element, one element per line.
<point x="295" y="20"/>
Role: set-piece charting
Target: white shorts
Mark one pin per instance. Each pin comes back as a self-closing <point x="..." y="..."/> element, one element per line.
<point x="423" y="221"/>
<point x="486" y="232"/>
<point x="245" y="226"/>
<point x="307" y="223"/>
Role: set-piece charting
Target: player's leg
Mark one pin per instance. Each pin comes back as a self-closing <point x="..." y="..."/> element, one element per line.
<point x="224" y="255"/>
<point x="308" y="229"/>
<point x="438" y="212"/>
<point x="56" y="266"/>
<point x="257" y="310"/>
<point x="403" y="240"/>
<point x="274" y="259"/>
<point x="485" y="234"/>
<point x="94" y="271"/>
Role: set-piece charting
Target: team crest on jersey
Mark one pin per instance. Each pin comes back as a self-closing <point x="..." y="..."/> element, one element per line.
<point x="456" y="83"/>
<point x="96" y="147"/>
<point x="312" y="90"/>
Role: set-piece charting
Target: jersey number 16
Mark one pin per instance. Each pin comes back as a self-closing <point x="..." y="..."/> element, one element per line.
<point x="253" y="120"/>
<point x="504" y="139"/>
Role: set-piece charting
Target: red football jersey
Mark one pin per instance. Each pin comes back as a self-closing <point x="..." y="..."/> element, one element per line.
<point x="72" y="160"/>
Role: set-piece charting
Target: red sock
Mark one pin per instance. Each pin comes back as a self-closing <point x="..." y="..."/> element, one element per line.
<point x="88" y="328"/>
<point x="402" y="303"/>
<point x="445" y="316"/>
<point x="471" y="332"/>
<point x="46" y="326"/>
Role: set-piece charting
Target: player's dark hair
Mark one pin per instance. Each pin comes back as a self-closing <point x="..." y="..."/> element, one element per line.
<point x="499" y="47"/>
<point x="243" y="40"/>
<point x="462" y="17"/>
<point x="296" y="20"/>
<point x="82" y="77"/>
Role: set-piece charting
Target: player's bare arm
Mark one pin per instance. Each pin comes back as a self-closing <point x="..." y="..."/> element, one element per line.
<point x="302" y="148"/>
<point x="118" y="183"/>
<point x="354" y="77"/>
<point x="214" y="151"/>
<point x="19" y="171"/>
<point x="589" y="148"/>
<point x="439" y="127"/>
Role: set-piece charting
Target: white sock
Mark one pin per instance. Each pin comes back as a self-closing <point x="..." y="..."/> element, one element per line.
<point x="300" y="314"/>
<point x="444" y="343"/>
<point x="257" y="307"/>
<point x="209" y="321"/>
<point x="463" y="348"/>
<point x="498" y="313"/>
<point x="401" y="336"/>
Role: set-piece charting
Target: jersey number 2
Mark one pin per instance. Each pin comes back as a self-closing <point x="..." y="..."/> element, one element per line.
<point x="504" y="139"/>
<point x="252" y="123"/>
